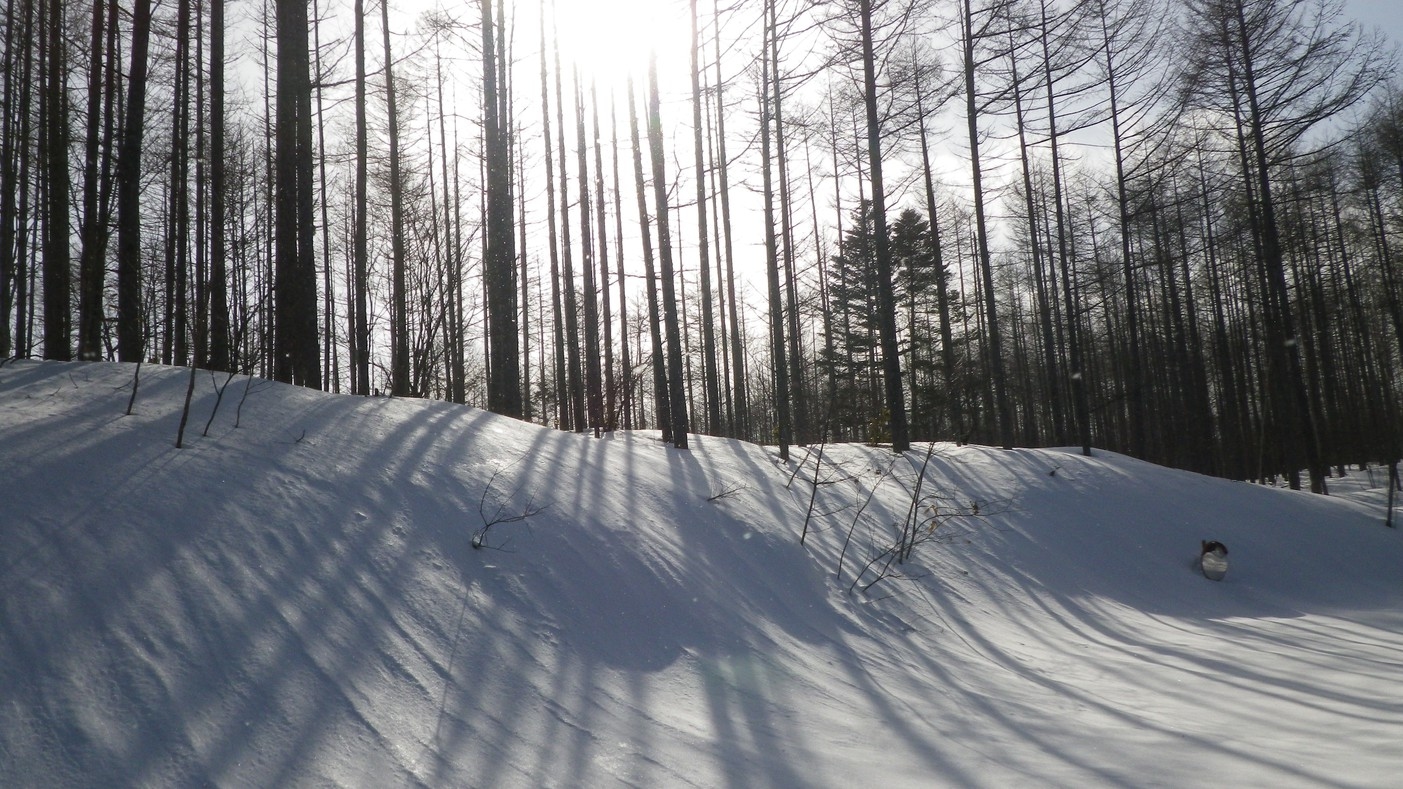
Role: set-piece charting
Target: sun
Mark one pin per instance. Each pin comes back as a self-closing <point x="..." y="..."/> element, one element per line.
<point x="609" y="40"/>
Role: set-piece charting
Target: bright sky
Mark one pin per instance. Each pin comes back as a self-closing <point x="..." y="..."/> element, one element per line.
<point x="610" y="37"/>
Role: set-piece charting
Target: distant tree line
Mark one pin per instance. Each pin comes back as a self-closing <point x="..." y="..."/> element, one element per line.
<point x="1170" y="229"/>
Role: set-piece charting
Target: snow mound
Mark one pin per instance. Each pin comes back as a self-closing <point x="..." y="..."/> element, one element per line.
<point x="374" y="592"/>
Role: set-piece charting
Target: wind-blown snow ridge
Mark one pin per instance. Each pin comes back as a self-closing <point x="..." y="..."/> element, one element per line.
<point x="297" y="602"/>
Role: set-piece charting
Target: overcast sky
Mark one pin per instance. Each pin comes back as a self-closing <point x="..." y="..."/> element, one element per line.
<point x="1387" y="15"/>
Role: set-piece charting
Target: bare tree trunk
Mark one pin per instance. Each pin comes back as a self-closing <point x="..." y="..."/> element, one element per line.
<point x="10" y="153"/>
<point x="360" y="339"/>
<point x="305" y="326"/>
<point x="627" y="383"/>
<point x="94" y="234"/>
<point x="297" y="355"/>
<point x="886" y="306"/>
<point x="947" y="342"/>
<point x="112" y="71"/>
<point x="712" y="380"/>
<point x="593" y="392"/>
<point x="563" y="411"/>
<point x="219" y="339"/>
<point x="8" y="179"/>
<point x="990" y="312"/>
<point x="460" y="341"/>
<point x="606" y="318"/>
<point x="1041" y="270"/>
<point x="267" y="295"/>
<point x="662" y="393"/>
<point x="58" y="343"/>
<point x="738" y="374"/>
<point x="1081" y="405"/>
<point x="330" y="371"/>
<point x="826" y="282"/>
<point x="200" y="329"/>
<point x="723" y="307"/>
<point x="1232" y="408"/>
<point x="1134" y="386"/>
<point x="576" y="384"/>
<point x="174" y="347"/>
<point x="457" y="387"/>
<point x="499" y="272"/>
<point x="23" y="266"/>
<point x="1283" y="328"/>
<point x="525" y="277"/>
<point x="399" y="318"/>
<point x="777" y="349"/>
<point x="677" y="395"/>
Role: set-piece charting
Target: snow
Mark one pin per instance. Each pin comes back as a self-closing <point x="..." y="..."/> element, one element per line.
<point x="297" y="601"/>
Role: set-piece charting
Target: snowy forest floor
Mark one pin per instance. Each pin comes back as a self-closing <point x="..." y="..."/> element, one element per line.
<point x="298" y="601"/>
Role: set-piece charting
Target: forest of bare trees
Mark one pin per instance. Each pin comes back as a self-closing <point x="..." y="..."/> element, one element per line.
<point x="1170" y="228"/>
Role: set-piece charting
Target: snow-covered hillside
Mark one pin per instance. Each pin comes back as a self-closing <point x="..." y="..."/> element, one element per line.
<point x="298" y="602"/>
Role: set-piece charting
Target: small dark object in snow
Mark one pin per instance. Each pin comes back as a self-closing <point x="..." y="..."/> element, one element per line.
<point x="1213" y="559"/>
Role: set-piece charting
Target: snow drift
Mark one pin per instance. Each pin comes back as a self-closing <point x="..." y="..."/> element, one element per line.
<point x="297" y="601"/>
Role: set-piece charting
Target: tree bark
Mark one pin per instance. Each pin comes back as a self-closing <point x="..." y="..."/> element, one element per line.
<point x="399" y="308"/>
<point x="295" y="328"/>
<point x="784" y="429"/>
<point x="499" y="267"/>
<point x="627" y="363"/>
<point x="1292" y="385"/>
<point x="58" y="343"/>
<point x="360" y="339"/>
<point x="94" y="234"/>
<point x="131" y="340"/>
<point x="594" y="400"/>
<point x="886" y="302"/>
<point x="709" y="371"/>
<point x="563" y="412"/>
<point x="662" y="393"/>
<point x="739" y="381"/>
<point x="606" y="318"/>
<point x="677" y="394"/>
<point x="219" y="339"/>
<point x="576" y="384"/>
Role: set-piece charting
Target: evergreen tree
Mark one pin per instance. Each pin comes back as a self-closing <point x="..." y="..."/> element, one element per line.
<point x="854" y="361"/>
<point x="919" y="276"/>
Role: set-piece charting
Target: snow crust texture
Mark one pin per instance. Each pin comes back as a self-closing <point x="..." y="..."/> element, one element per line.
<point x="297" y="601"/>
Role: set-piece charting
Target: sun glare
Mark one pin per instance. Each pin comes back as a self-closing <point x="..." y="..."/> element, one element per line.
<point x="609" y="39"/>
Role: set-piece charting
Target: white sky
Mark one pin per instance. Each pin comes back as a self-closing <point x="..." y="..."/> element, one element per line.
<point x="1387" y="15"/>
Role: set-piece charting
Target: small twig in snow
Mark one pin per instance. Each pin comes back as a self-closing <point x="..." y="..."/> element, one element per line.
<point x="732" y="488"/>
